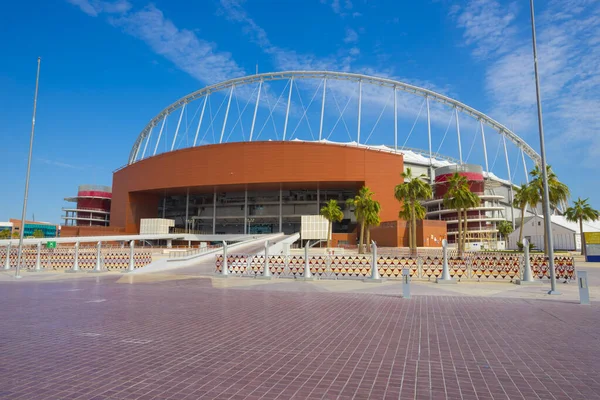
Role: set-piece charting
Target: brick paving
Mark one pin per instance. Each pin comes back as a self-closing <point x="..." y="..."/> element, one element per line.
<point x="94" y="338"/>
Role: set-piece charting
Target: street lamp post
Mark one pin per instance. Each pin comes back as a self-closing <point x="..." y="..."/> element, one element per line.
<point x="546" y="198"/>
<point x="250" y="221"/>
<point x="22" y="232"/>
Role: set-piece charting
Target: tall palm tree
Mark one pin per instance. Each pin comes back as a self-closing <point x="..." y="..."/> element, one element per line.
<point x="332" y="213"/>
<point x="410" y="194"/>
<point x="361" y="203"/>
<point x="459" y="197"/>
<point x="558" y="192"/>
<point x="372" y="218"/>
<point x="524" y="196"/>
<point x="581" y="211"/>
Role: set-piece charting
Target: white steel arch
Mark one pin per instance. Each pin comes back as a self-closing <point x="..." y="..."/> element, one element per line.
<point x="329" y="75"/>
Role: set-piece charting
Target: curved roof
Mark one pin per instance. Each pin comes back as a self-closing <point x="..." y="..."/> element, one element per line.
<point x="343" y="76"/>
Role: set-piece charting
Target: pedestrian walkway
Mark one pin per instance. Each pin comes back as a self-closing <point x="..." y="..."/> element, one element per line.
<point x="168" y="336"/>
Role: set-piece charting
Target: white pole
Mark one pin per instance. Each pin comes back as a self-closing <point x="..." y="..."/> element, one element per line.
<point x="359" y="110"/>
<point x="178" y="125"/>
<point x="38" y="261"/>
<point x="525" y="167"/>
<point x="287" y="112"/>
<point x="395" y="119"/>
<point x="458" y="134"/>
<point x="267" y="269"/>
<point x="7" y="258"/>
<point x="255" y="109"/>
<point x="147" y="141"/>
<point x="485" y="155"/>
<point x="159" y="135"/>
<point x="322" y="108"/>
<point x="431" y="177"/>
<point x="22" y="233"/>
<point x="226" y="114"/>
<point x="131" y="266"/>
<point x="546" y="198"/>
<point x="76" y="258"/>
<point x="510" y="188"/>
<point x="224" y="267"/>
<point x="200" y="121"/>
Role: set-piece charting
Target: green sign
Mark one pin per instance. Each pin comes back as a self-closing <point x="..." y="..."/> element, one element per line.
<point x="50" y="245"/>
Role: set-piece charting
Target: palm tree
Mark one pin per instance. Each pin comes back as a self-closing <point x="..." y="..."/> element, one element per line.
<point x="332" y="213"/>
<point x="581" y="211"/>
<point x="524" y="196"/>
<point x="360" y="202"/>
<point x="410" y="194"/>
<point x="372" y="218"/>
<point x="558" y="192"/>
<point x="505" y="228"/>
<point x="459" y="196"/>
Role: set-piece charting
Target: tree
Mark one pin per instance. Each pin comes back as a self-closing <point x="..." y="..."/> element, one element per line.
<point x="505" y="228"/>
<point x="558" y="192"/>
<point x="5" y="234"/>
<point x="459" y="197"/>
<point x="410" y="193"/>
<point x="38" y="234"/>
<point x="523" y="197"/>
<point x="332" y="213"/>
<point x="581" y="211"/>
<point x="372" y="218"/>
<point x="15" y="235"/>
<point x="361" y="202"/>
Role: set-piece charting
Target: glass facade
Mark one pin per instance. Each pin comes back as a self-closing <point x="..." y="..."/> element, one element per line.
<point x="252" y="211"/>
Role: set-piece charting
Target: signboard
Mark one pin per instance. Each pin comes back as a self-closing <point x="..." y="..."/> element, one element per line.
<point x="313" y="227"/>
<point x="592" y="237"/>
<point x="50" y="245"/>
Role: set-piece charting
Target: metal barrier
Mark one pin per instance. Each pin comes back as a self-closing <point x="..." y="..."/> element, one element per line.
<point x="473" y="266"/>
<point x="64" y="258"/>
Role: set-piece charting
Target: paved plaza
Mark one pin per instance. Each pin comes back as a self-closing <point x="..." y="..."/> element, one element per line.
<point x="161" y="336"/>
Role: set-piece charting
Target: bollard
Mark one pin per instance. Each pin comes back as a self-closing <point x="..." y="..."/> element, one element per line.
<point x="406" y="283"/>
<point x="266" y="269"/>
<point x="7" y="258"/>
<point x="131" y="266"/>
<point x="527" y="278"/>
<point x="224" y="266"/>
<point x="38" y="261"/>
<point x="98" y="267"/>
<point x="307" y="275"/>
<point x="75" y="260"/>
<point x="374" y="267"/>
<point x="584" y="290"/>
<point x="445" y="279"/>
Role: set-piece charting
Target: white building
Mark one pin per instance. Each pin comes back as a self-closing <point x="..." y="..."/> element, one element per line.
<point x="566" y="234"/>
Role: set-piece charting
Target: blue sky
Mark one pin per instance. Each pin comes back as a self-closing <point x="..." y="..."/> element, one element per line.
<point x="109" y="66"/>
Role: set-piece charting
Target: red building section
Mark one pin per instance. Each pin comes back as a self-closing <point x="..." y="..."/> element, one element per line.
<point x="92" y="206"/>
<point x="482" y="220"/>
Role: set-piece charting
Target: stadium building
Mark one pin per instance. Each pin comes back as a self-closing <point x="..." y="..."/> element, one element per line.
<point x="242" y="182"/>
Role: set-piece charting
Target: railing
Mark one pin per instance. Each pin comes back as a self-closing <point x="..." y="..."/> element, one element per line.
<point x="473" y="266"/>
<point x="192" y="252"/>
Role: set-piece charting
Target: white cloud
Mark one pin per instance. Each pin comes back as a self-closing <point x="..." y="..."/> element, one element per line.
<point x="340" y="9"/>
<point x="96" y="7"/>
<point x="351" y="36"/>
<point x="487" y="25"/>
<point x="569" y="61"/>
<point x="197" y="57"/>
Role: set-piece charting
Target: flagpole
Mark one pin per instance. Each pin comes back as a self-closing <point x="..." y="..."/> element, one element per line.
<point x="22" y="233"/>
<point x="546" y="197"/>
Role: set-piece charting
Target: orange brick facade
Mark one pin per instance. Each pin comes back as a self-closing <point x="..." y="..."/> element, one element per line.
<point x="138" y="188"/>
